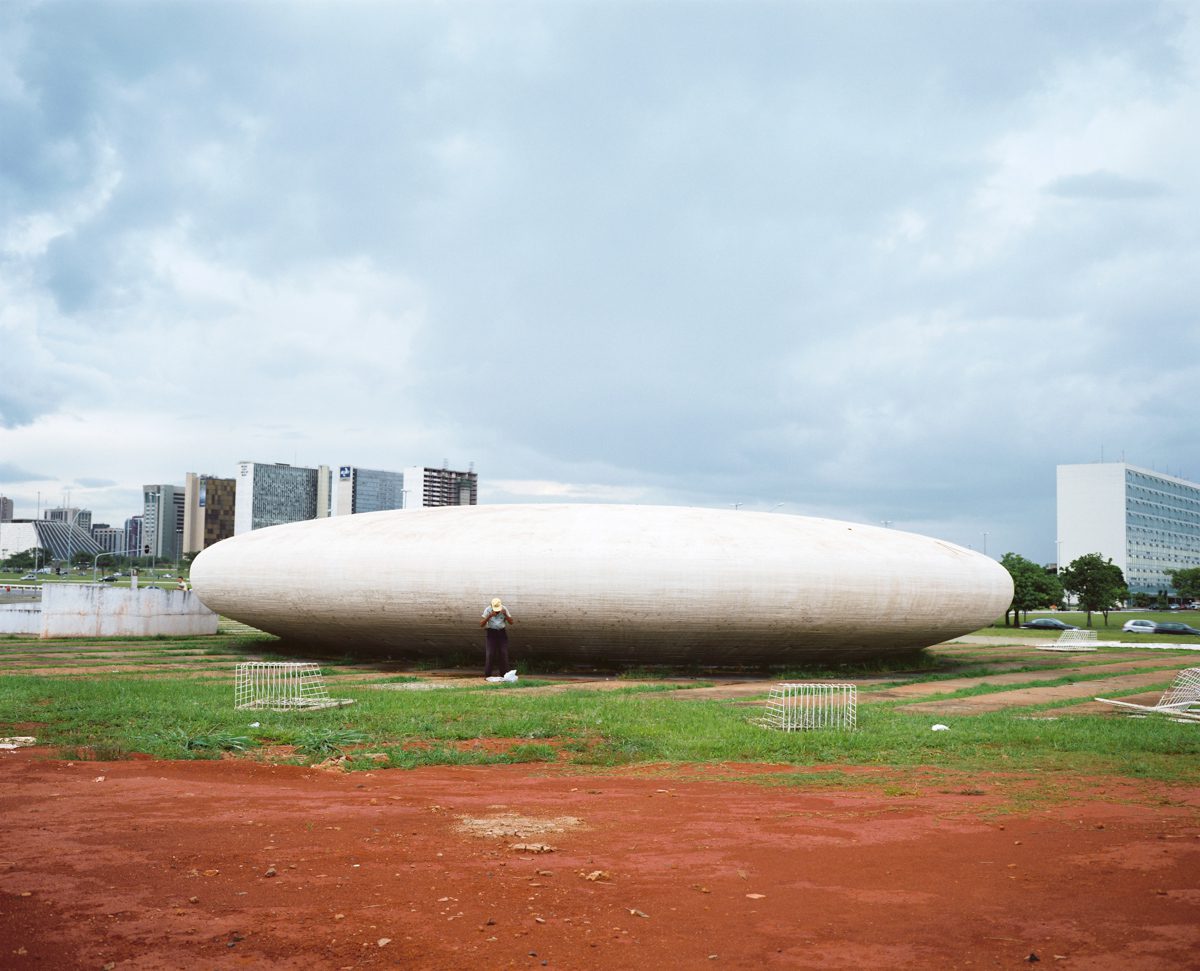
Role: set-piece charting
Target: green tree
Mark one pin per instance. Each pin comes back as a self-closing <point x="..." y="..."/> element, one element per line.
<point x="28" y="559"/>
<point x="1097" y="582"/>
<point x="1033" y="586"/>
<point x="1186" y="582"/>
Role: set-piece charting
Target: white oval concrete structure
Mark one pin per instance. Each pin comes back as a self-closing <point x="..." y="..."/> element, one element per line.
<point x="599" y="583"/>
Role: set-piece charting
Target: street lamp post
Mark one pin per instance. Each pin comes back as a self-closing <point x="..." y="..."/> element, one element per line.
<point x="71" y="535"/>
<point x="96" y="559"/>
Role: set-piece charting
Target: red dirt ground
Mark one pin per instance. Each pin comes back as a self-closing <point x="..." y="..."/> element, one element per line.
<point x="236" y="864"/>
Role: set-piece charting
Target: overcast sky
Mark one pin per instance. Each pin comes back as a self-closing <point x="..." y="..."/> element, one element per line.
<point x="875" y="261"/>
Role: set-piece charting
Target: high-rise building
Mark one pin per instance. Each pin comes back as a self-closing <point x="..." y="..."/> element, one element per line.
<point x="208" y="510"/>
<point x="1146" y="522"/>
<point x="439" y="487"/>
<point x="133" y="536"/>
<point x="64" y="514"/>
<point x="6" y="509"/>
<point x="366" y="490"/>
<point x="162" y="521"/>
<point x="270" y="495"/>
<point x="110" y="538"/>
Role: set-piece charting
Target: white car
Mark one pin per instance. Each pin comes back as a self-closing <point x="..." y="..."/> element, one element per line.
<point x="1140" y="627"/>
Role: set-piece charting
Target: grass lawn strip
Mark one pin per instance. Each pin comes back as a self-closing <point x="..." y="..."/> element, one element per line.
<point x="183" y="713"/>
<point x="1028" y="695"/>
<point x="1001" y="681"/>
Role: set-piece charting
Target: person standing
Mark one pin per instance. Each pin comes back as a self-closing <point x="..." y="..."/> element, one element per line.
<point x="497" y="620"/>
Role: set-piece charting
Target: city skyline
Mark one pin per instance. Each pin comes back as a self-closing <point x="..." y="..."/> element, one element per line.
<point x="888" y="263"/>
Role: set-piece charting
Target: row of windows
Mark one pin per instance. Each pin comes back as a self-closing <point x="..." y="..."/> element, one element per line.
<point x="1162" y="511"/>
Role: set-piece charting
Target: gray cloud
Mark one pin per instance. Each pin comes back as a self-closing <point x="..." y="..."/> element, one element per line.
<point x="1103" y="185"/>
<point x="860" y="261"/>
<point x="10" y="472"/>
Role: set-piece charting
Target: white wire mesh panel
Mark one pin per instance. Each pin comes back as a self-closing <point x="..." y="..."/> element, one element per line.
<point x="798" y="706"/>
<point x="1072" y="641"/>
<point x="282" y="686"/>
<point x="1184" y="693"/>
<point x="1180" y="702"/>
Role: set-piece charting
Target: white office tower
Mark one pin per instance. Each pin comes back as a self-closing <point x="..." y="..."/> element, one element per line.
<point x="273" y="494"/>
<point x="162" y="521"/>
<point x="1146" y="522"/>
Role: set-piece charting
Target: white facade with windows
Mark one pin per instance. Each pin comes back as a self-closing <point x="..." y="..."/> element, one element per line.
<point x="1146" y="522"/>
<point x="162" y="521"/>
<point x="366" y="490"/>
<point x="426" y="486"/>
<point x="274" y="494"/>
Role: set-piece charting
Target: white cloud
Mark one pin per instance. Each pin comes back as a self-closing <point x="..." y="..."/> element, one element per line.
<point x="701" y="255"/>
<point x="31" y="234"/>
<point x="1095" y="113"/>
<point x="541" y="490"/>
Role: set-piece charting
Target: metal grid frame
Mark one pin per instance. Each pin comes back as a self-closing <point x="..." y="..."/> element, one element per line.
<point x="282" y="686"/>
<point x="1071" y="641"/>
<point x="1179" y="701"/>
<point x="800" y="706"/>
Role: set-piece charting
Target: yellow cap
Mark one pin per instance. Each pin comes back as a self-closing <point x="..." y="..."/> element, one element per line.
<point x="496" y="604"/>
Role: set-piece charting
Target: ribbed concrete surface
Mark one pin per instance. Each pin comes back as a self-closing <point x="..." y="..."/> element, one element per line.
<point x="605" y="583"/>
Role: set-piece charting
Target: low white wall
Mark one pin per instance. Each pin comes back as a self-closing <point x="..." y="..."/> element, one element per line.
<point x="76" y="610"/>
<point x="23" y="618"/>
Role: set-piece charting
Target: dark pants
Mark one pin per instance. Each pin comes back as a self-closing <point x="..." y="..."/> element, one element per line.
<point x="496" y="652"/>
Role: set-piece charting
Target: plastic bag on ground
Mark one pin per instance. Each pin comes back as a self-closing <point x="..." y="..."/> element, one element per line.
<point x="510" y="676"/>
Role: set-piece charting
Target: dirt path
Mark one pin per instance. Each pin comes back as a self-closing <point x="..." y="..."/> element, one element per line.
<point x="147" y="865"/>
<point x="978" y="704"/>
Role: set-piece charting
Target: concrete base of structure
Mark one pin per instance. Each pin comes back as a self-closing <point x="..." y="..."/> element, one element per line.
<point x="78" y="610"/>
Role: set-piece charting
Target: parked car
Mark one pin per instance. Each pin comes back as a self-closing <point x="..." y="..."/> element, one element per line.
<point x="1139" y="626"/>
<point x="1048" y="623"/>
<point x="1174" y="628"/>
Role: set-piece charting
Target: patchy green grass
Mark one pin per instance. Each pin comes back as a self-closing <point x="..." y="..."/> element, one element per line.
<point x="193" y="718"/>
<point x="323" y="742"/>
<point x="1110" y="630"/>
<point x="195" y="742"/>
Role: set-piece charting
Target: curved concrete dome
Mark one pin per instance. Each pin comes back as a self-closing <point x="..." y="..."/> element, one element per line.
<point x="646" y="584"/>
